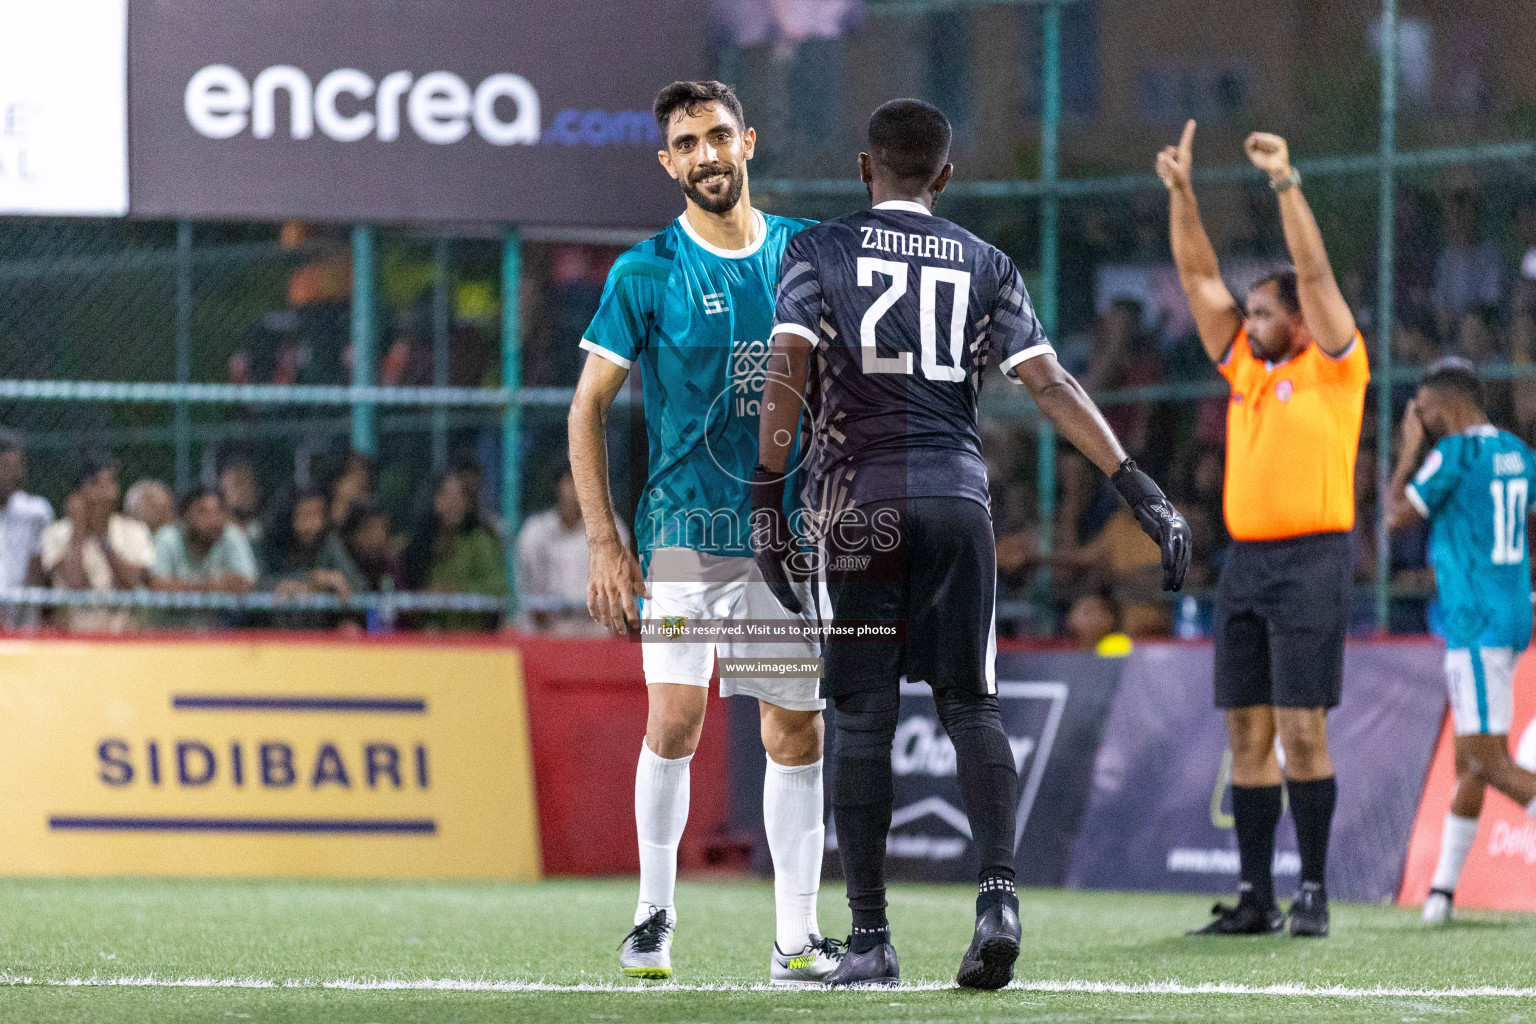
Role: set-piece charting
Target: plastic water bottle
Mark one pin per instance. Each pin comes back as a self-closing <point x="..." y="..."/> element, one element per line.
<point x="1188" y="626"/>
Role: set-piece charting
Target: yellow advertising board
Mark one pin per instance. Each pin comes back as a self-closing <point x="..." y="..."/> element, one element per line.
<point x="265" y="758"/>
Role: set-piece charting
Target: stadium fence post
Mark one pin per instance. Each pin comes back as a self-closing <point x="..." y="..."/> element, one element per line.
<point x="512" y="412"/>
<point x="1045" y="302"/>
<point x="440" y="327"/>
<point x="183" y="424"/>
<point x="363" y="437"/>
<point x="1385" y="299"/>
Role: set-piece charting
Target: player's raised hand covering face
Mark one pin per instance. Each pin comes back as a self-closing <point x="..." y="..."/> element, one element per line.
<point x="1174" y="162"/>
<point x="707" y="153"/>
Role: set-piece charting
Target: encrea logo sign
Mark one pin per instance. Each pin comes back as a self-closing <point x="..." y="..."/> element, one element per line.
<point x="347" y="105"/>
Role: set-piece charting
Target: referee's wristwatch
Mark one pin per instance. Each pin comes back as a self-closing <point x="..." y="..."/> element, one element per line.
<point x="1286" y="183"/>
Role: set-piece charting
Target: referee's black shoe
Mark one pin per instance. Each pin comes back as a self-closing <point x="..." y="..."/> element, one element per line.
<point x="1249" y="917"/>
<point x="1309" y="911"/>
<point x="873" y="968"/>
<point x="988" y="963"/>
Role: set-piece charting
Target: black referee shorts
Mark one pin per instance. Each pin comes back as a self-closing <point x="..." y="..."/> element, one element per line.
<point x="928" y="566"/>
<point x="1281" y="611"/>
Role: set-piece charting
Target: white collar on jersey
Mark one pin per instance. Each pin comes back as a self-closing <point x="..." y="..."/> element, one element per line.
<point x="1482" y="430"/>
<point x="907" y="205"/>
<point x="730" y="254"/>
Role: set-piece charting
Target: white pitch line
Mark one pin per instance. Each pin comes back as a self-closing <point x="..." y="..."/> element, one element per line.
<point x="1167" y="988"/>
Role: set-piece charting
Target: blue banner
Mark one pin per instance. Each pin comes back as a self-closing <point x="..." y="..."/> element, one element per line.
<point x="1160" y="811"/>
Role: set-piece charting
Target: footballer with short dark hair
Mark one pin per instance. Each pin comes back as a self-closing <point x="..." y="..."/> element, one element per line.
<point x="690" y="309"/>
<point x="887" y="320"/>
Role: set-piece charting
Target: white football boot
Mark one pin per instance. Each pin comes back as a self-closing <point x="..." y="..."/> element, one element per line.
<point x="810" y="967"/>
<point x="647" y="949"/>
<point x="1439" y="907"/>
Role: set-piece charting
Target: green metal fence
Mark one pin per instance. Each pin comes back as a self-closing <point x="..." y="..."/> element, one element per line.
<point x="1326" y="76"/>
<point x="171" y="342"/>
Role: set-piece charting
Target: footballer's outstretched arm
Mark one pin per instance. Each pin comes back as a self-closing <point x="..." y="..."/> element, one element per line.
<point x="1062" y="400"/>
<point x="616" y="578"/>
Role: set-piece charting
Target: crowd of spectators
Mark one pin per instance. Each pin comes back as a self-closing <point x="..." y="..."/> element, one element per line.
<point x="220" y="537"/>
<point x="1465" y="284"/>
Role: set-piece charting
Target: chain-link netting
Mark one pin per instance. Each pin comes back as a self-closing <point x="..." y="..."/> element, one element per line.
<point x="1130" y="74"/>
<point x="190" y="357"/>
<point x="258" y="305"/>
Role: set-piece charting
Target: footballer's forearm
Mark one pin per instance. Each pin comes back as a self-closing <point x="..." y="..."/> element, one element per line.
<point x="588" y="447"/>
<point x="1062" y="400"/>
<point x="1400" y="511"/>
<point x="783" y="391"/>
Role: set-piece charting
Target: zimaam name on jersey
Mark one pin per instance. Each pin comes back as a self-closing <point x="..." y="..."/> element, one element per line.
<point x="905" y="311"/>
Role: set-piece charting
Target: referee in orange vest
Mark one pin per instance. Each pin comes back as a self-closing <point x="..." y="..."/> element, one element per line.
<point x="1298" y="371"/>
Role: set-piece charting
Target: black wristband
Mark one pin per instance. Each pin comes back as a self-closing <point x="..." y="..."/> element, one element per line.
<point x="767" y="488"/>
<point x="1134" y="485"/>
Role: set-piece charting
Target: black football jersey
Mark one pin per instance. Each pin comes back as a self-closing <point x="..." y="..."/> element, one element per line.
<point x="906" y="311"/>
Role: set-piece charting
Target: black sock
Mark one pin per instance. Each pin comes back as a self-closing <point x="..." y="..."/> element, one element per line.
<point x="1312" y="808"/>
<point x="989" y="787"/>
<point x="1255" y="813"/>
<point x="862" y="794"/>
<point x="993" y="890"/>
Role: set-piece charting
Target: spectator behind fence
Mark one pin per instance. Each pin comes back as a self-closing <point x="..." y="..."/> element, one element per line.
<point x="301" y="554"/>
<point x="23" y="518"/>
<point x="1467" y="272"/>
<point x="349" y="483"/>
<point x="453" y="551"/>
<point x="553" y="563"/>
<point x="366" y="536"/>
<point x="242" y="496"/>
<point x="95" y="548"/>
<point x="469" y="471"/>
<point x="151" y="503"/>
<point x="203" y="553"/>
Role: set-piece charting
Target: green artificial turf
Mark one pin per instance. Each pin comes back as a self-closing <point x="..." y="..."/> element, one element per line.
<point x="298" y="936"/>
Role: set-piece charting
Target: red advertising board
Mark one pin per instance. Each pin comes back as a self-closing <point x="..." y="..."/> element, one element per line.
<point x="1501" y="870"/>
<point x="586" y="718"/>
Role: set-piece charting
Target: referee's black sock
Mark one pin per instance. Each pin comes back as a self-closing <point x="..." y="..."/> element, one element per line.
<point x="862" y="794"/>
<point x="1312" y="808"/>
<point x="1255" y="813"/>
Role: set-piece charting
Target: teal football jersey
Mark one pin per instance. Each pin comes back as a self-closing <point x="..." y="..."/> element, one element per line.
<point x="1473" y="488"/>
<point x="696" y="319"/>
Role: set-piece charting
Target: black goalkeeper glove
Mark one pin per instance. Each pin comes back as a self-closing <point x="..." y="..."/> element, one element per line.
<point x="1158" y="519"/>
<point x="772" y="542"/>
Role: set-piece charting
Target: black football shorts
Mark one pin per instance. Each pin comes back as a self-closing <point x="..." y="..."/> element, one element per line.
<point x="927" y="567"/>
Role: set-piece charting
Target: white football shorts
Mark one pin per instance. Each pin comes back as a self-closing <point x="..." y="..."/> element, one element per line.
<point x="701" y="588"/>
<point x="1481" y="683"/>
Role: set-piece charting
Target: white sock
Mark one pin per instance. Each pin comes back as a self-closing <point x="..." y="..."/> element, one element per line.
<point x="792" y="815"/>
<point x="1455" y="843"/>
<point x="661" y="811"/>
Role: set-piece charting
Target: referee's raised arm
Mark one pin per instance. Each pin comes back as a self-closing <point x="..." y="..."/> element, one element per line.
<point x="1218" y="317"/>
<point x="1323" y="308"/>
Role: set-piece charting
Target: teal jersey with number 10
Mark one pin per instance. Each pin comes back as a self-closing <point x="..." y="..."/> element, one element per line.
<point x="1474" y="488"/>
<point x="696" y="321"/>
